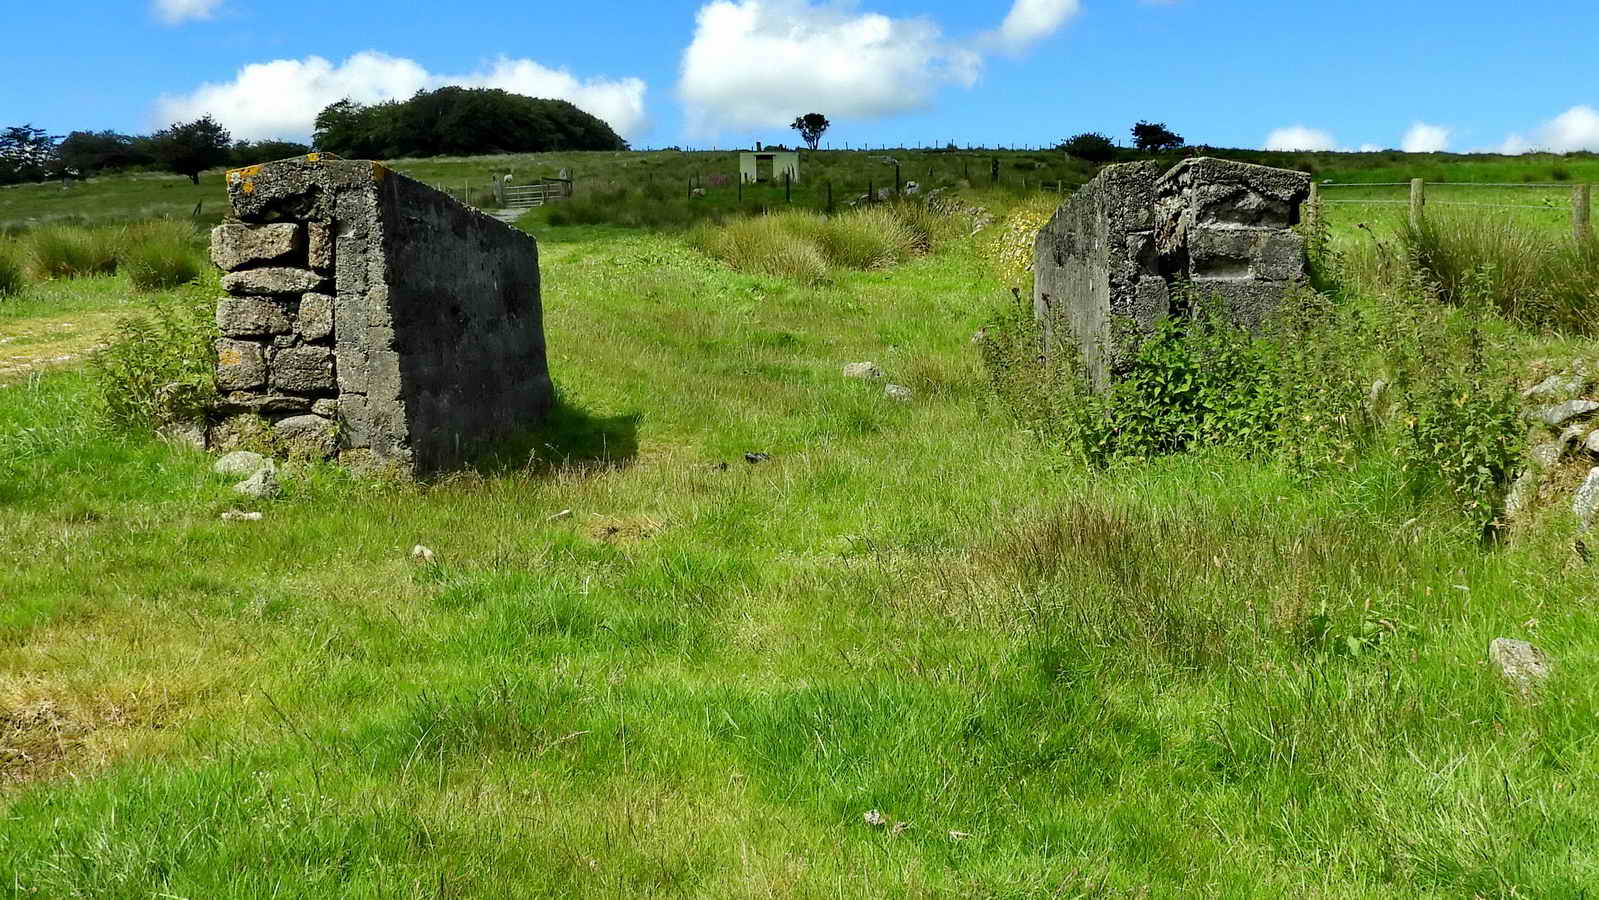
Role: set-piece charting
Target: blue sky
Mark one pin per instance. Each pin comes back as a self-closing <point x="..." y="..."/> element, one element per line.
<point x="1429" y="74"/>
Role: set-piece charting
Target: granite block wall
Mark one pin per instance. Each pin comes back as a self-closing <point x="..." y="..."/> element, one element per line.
<point x="370" y="315"/>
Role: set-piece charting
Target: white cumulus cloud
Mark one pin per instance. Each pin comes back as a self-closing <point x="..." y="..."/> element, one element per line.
<point x="1299" y="137"/>
<point x="280" y="99"/>
<point x="1575" y="129"/>
<point x="1030" y="21"/>
<point x="1424" y="138"/>
<point x="174" y="12"/>
<point x="760" y="63"/>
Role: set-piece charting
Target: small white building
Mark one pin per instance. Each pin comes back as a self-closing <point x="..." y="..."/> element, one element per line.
<point x="768" y="165"/>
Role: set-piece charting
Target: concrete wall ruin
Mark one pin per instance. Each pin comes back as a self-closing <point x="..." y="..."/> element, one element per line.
<point x="368" y="314"/>
<point x="1116" y="256"/>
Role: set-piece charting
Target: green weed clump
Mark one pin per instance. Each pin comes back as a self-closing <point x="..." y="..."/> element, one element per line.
<point x="159" y="364"/>
<point x="1300" y="391"/>
<point x="1533" y="279"/>
<point x="72" y="251"/>
<point x="161" y="254"/>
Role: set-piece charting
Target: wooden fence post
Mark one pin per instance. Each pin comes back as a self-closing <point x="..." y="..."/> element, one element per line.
<point x="788" y="188"/>
<point x="1581" y="200"/>
<point x="1418" y="200"/>
<point x="1313" y="205"/>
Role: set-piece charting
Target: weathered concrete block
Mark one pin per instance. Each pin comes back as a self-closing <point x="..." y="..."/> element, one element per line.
<point x="1107" y="266"/>
<point x="303" y="370"/>
<point x="314" y="321"/>
<point x="251" y="317"/>
<point x="240" y="365"/>
<point x="1088" y="261"/>
<point x="235" y="245"/>
<point x="432" y="310"/>
<point x="271" y="280"/>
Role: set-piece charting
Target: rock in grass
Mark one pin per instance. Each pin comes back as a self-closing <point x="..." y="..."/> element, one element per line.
<point x="422" y="554"/>
<point x="234" y="515"/>
<point x="875" y="818"/>
<point x="862" y="370"/>
<point x="263" y="485"/>
<point x="1522" y="492"/>
<point x="1519" y="662"/>
<point x="183" y="434"/>
<point x="1561" y="413"/>
<point x="1547" y="454"/>
<point x="1592" y="443"/>
<point x="1555" y="388"/>
<point x="1585" y="503"/>
<point x="898" y="392"/>
<point x="242" y="464"/>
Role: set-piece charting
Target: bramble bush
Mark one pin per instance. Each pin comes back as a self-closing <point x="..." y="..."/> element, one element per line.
<point x="1296" y="392"/>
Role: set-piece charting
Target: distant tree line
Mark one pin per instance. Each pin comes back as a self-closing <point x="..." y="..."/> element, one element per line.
<point x="460" y="121"/>
<point x="1148" y="137"/>
<point x="451" y="120"/>
<point x="185" y="148"/>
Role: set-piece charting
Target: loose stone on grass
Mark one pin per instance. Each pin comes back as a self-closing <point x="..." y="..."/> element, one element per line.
<point x="242" y="463"/>
<point x="1519" y="662"/>
<point x="1585" y="503"/>
<point x="1561" y="413"/>
<point x="862" y="370"/>
<point x="1554" y="388"/>
<point x="898" y="392"/>
<point x="234" y="515"/>
<point x="422" y="554"/>
<point x="263" y="485"/>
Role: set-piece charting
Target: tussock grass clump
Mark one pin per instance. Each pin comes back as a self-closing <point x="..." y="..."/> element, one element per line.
<point x="650" y="207"/>
<point x="809" y="246"/>
<point x="1530" y="278"/>
<point x="161" y="254"/>
<point x="12" y="278"/>
<point x="72" y="251"/>
<point x="768" y="245"/>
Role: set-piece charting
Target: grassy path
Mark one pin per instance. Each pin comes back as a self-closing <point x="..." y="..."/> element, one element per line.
<point x="698" y="682"/>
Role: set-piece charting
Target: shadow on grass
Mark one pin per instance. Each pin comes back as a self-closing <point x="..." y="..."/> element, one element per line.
<point x="567" y="438"/>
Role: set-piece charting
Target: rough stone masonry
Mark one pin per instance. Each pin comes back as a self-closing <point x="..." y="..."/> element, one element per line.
<point x="1113" y="260"/>
<point x="368" y="314"/>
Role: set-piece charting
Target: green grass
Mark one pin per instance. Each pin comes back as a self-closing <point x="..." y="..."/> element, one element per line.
<point x="697" y="681"/>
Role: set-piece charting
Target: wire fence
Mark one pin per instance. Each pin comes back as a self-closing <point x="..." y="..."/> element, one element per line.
<point x="1543" y="205"/>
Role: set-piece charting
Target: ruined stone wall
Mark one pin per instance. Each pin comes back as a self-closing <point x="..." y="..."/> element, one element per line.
<point x="368" y="314"/>
<point x="1109" y="264"/>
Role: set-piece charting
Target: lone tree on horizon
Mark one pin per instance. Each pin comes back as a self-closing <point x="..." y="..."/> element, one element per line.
<point x="810" y="126"/>
<point x="189" y="148"/>
<point x="1155" y="137"/>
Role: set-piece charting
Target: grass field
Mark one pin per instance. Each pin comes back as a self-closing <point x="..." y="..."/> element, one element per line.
<point x="117" y="199"/>
<point x="642" y="666"/>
